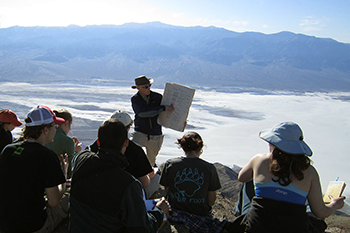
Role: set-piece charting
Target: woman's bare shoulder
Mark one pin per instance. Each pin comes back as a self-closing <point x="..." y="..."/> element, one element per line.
<point x="260" y="158"/>
<point x="311" y="172"/>
<point x="311" y="169"/>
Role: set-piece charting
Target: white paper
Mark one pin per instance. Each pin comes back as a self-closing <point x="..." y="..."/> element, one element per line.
<point x="181" y="98"/>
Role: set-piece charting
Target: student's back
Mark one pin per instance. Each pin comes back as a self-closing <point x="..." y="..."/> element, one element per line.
<point x="32" y="180"/>
<point x="266" y="184"/>
<point x="189" y="181"/>
<point x="97" y="192"/>
<point x="106" y="198"/>
<point x="284" y="181"/>
<point x="191" y="185"/>
<point x="26" y="168"/>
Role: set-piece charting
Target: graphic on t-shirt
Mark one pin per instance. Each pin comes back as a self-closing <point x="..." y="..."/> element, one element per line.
<point x="188" y="183"/>
<point x="18" y="151"/>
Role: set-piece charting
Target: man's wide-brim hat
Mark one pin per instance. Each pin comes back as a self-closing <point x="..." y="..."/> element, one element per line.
<point x="142" y="80"/>
<point x="288" y="137"/>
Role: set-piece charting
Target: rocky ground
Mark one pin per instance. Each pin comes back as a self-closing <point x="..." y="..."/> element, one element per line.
<point x="223" y="207"/>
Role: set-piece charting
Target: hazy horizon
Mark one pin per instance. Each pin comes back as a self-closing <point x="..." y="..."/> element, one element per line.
<point x="323" y="19"/>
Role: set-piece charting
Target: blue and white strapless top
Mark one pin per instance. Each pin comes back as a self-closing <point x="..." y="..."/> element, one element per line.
<point x="275" y="191"/>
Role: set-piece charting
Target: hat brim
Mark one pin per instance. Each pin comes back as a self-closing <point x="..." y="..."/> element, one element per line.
<point x="59" y="120"/>
<point x="150" y="82"/>
<point x="17" y="123"/>
<point x="290" y="147"/>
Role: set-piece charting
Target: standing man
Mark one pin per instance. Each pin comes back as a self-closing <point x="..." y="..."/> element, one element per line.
<point x="146" y="105"/>
<point x="106" y="198"/>
<point x="28" y="171"/>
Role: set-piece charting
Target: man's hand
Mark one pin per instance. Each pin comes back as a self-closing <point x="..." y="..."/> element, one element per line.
<point x="64" y="161"/>
<point x="169" y="108"/>
<point x="78" y="147"/>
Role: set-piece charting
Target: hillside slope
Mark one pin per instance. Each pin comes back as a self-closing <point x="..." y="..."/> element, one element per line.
<point x="208" y="56"/>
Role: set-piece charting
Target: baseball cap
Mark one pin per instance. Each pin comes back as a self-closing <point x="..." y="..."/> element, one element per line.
<point x="8" y="116"/>
<point x="288" y="137"/>
<point x="42" y="115"/>
<point x="122" y="116"/>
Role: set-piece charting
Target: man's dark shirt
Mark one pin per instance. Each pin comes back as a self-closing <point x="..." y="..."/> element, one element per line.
<point x="106" y="198"/>
<point x="138" y="163"/>
<point x="146" y="115"/>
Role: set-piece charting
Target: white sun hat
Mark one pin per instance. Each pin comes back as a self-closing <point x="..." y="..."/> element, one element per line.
<point x="288" y="137"/>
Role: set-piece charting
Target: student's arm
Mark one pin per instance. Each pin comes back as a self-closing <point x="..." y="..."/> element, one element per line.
<point x="134" y="215"/>
<point x="54" y="194"/>
<point x="246" y="173"/>
<point x="315" y="198"/>
<point x="145" y="180"/>
<point x="152" y="174"/>
<point x="211" y="198"/>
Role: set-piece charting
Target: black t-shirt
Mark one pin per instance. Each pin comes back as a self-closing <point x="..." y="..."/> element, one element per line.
<point x="189" y="181"/>
<point x="5" y="138"/>
<point x="26" y="169"/>
<point x="138" y="163"/>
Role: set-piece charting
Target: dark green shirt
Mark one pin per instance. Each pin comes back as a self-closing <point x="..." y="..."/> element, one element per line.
<point x="63" y="144"/>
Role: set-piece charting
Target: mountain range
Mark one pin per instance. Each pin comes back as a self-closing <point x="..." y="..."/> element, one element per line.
<point x="197" y="56"/>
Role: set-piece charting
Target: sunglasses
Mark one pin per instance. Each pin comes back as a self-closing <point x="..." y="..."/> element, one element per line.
<point x="147" y="86"/>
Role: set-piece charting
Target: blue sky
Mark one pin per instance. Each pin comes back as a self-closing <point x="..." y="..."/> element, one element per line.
<point x="321" y="18"/>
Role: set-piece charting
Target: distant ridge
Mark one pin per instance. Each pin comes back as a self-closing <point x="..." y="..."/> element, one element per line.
<point x="204" y="56"/>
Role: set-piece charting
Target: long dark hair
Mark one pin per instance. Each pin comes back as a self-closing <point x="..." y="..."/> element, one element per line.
<point x="284" y="165"/>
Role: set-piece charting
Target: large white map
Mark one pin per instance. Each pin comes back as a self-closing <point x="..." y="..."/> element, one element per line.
<point x="181" y="98"/>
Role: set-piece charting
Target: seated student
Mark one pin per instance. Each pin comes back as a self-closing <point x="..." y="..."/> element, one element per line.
<point x="62" y="143"/>
<point x="8" y="121"/>
<point x="284" y="181"/>
<point x="28" y="171"/>
<point x="139" y="166"/>
<point x="106" y="198"/>
<point x="191" y="185"/>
